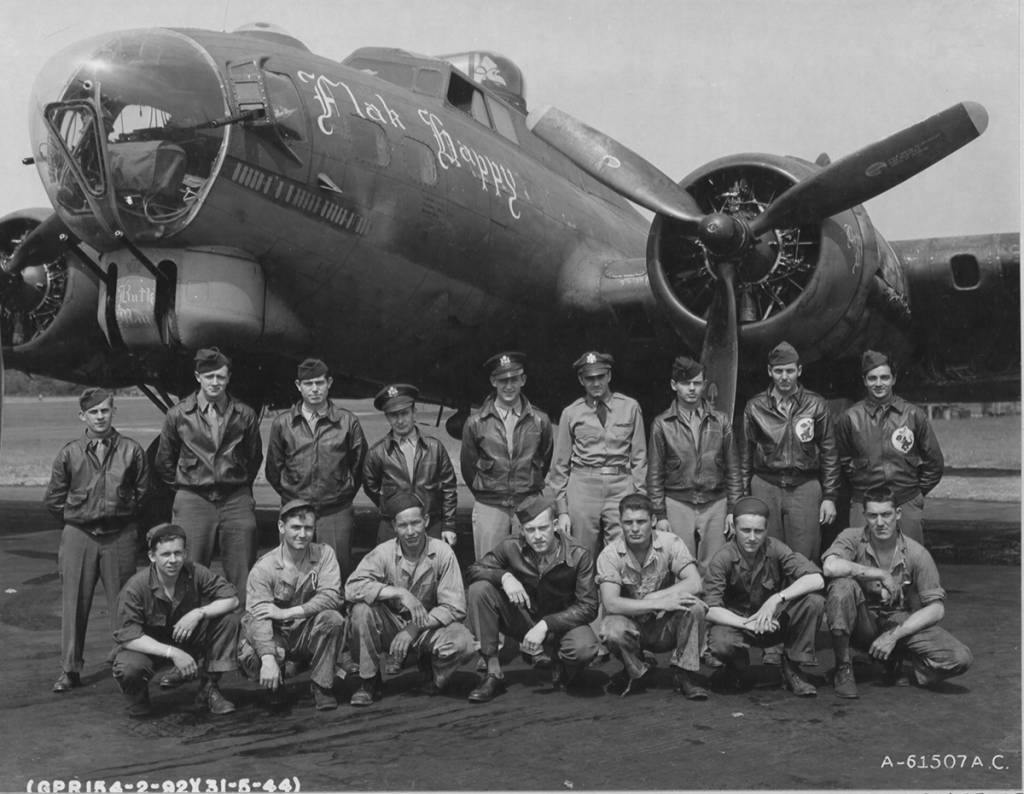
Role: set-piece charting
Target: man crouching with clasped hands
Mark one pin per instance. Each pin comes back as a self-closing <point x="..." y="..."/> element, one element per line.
<point x="649" y="587"/>
<point x="407" y="600"/>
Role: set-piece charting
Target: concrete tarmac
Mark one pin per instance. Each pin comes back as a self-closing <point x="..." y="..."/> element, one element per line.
<point x="964" y="735"/>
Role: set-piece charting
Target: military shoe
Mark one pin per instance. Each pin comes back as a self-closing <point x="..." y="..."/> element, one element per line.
<point x="323" y="698"/>
<point x="686" y="686"/>
<point x="794" y="680"/>
<point x="67" y="682"/>
<point x="490" y="687"/>
<point x="210" y="697"/>
<point x="370" y="689"/>
<point x="844" y="682"/>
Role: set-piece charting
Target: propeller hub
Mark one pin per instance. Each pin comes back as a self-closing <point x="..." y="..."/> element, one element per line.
<point x="722" y="234"/>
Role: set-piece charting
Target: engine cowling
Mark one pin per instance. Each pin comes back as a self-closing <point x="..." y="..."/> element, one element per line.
<point x="809" y="284"/>
<point x="48" y="313"/>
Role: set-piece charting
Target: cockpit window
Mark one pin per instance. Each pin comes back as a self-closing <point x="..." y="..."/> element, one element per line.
<point x="399" y="74"/>
<point x="502" y="120"/>
<point x="468" y="98"/>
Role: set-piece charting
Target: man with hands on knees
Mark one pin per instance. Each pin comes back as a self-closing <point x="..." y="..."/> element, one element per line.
<point x="649" y="586"/>
<point x="294" y="594"/>
<point x="407" y="599"/>
<point x="178" y="612"/>
<point x="760" y="592"/>
<point x="539" y="588"/>
<point x="884" y="595"/>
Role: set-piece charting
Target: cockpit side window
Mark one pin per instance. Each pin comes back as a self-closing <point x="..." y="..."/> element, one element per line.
<point x="466" y="97"/>
<point x="502" y="120"/>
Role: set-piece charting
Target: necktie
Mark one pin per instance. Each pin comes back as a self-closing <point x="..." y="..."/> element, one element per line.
<point x="510" y="430"/>
<point x="602" y="412"/>
<point x="100" y="449"/>
<point x="214" y="419"/>
<point x="408" y="448"/>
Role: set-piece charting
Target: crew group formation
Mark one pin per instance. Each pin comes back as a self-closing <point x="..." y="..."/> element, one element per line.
<point x="590" y="540"/>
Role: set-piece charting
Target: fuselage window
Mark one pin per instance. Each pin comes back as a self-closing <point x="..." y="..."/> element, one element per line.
<point x="370" y="142"/>
<point x="285" y="105"/>
<point x="502" y="120"/>
<point x="419" y="161"/>
<point x="428" y="81"/>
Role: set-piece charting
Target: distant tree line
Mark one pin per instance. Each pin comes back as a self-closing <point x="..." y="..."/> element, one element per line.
<point x="18" y="384"/>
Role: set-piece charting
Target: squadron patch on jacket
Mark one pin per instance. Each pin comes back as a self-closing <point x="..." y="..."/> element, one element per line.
<point x="804" y="428"/>
<point x="903" y="439"/>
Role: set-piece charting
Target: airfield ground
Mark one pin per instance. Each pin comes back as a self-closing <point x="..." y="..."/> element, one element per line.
<point x="966" y="735"/>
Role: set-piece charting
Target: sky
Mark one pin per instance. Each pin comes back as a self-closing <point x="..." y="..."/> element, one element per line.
<point x="682" y="82"/>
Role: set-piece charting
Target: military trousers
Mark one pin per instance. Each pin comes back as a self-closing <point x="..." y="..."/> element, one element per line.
<point x="316" y="640"/>
<point x="229" y="520"/>
<point x="793" y="514"/>
<point x="374" y="626"/>
<point x="679" y="631"/>
<point x="83" y="560"/>
<point x="933" y="653"/>
<point x="488" y="612"/>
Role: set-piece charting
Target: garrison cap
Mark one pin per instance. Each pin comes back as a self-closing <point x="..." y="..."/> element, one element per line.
<point x="210" y="358"/>
<point x="395" y="397"/>
<point x="295" y="506"/>
<point x="507" y="363"/>
<point x="750" y="506"/>
<point x="593" y="363"/>
<point x="533" y="505"/>
<point x="162" y="532"/>
<point x="783" y="353"/>
<point x="93" y="397"/>
<point x="311" y="368"/>
<point x="872" y="359"/>
<point x="685" y="368"/>
<point x="403" y="500"/>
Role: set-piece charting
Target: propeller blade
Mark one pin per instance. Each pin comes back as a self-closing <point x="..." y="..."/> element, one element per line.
<point x="614" y="165"/>
<point x="46" y="241"/>
<point x="721" y="352"/>
<point x="870" y="171"/>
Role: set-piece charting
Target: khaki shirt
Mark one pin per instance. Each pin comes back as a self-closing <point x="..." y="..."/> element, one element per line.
<point x="912" y="565"/>
<point x="315" y="586"/>
<point x="434" y="578"/>
<point x="583" y="442"/>
<point x="666" y="560"/>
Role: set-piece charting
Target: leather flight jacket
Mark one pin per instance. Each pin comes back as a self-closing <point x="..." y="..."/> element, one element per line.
<point x="695" y="474"/>
<point x="323" y="466"/>
<point x="897" y="448"/>
<point x="495" y="476"/>
<point x="563" y="595"/>
<point x="187" y="457"/>
<point x="385" y="474"/>
<point x="789" y="449"/>
<point x="96" y="496"/>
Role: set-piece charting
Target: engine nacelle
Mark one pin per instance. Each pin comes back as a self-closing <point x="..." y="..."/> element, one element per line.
<point x="810" y="284"/>
<point x="48" y="314"/>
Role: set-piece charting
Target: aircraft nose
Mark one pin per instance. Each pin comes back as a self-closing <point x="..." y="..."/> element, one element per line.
<point x="122" y="136"/>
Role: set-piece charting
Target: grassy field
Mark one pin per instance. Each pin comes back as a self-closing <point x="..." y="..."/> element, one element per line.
<point x="33" y="431"/>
